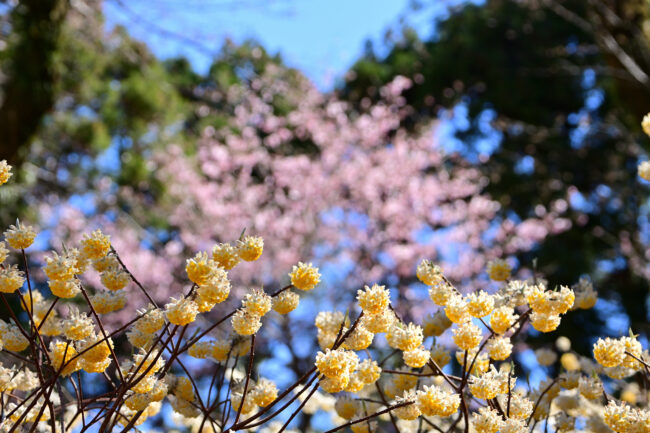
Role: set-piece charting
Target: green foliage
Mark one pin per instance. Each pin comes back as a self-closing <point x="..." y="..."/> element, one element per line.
<point x="557" y="94"/>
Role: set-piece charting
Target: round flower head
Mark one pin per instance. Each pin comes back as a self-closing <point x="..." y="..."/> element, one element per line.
<point x="411" y="410"/>
<point x="334" y="363"/>
<point x="326" y="340"/>
<point x="562" y="300"/>
<point x="140" y="339"/>
<point x="137" y="402"/>
<point x="286" y="302"/>
<point x="499" y="348"/>
<point x="586" y="299"/>
<point x="250" y="248"/>
<point x="429" y="274"/>
<point x="480" y="304"/>
<point x="216" y="288"/>
<point x="456" y="309"/>
<point x="416" y="358"/>
<point x="590" y="388"/>
<point x="245" y="323"/>
<point x="373" y="300"/>
<point x="153" y="320"/>
<point x="441" y="293"/>
<point x="544" y="322"/>
<point x="4" y="252"/>
<point x="435" y="324"/>
<point x="115" y="279"/>
<point x="609" y="352"/>
<point x="248" y="404"/>
<point x="486" y="386"/>
<point x="5" y="172"/>
<point x="106" y="302"/>
<point x="520" y="407"/>
<point x="502" y="319"/>
<point x="486" y="420"/>
<point x="346" y="407"/>
<point x="359" y="339"/>
<point x="159" y="390"/>
<point x="78" y="326"/>
<point x="147" y="363"/>
<point x="105" y="263"/>
<point x="378" y="323"/>
<point x="181" y="312"/>
<point x="264" y="392"/>
<point x="634" y="348"/>
<point x="20" y="236"/>
<point x="225" y="255"/>
<point x="221" y="348"/>
<point x="60" y="268"/>
<point x="619" y="417"/>
<point x="355" y="384"/>
<point x="644" y="170"/>
<point x="570" y="379"/>
<point x="199" y="268"/>
<point x="433" y="400"/>
<point x="499" y="270"/>
<point x="368" y="371"/>
<point x="405" y="338"/>
<point x="304" y="276"/>
<point x="335" y="384"/>
<point x="11" y="279"/>
<point x="62" y="355"/>
<point x="96" y="245"/>
<point x="64" y="289"/>
<point x="257" y="302"/>
<point x="537" y="298"/>
<point x="94" y="349"/>
<point x="467" y="336"/>
<point x="331" y="321"/>
<point x="204" y="305"/>
<point x="185" y="408"/>
<point x="12" y="338"/>
<point x="184" y="389"/>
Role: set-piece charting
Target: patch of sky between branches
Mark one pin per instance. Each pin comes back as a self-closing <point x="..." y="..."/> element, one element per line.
<point x="455" y="121"/>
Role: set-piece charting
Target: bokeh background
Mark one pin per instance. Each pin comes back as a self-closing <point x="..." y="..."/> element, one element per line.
<point x="360" y="135"/>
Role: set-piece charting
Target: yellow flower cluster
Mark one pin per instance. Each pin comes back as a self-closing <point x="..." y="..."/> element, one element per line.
<point x="11" y="279"/>
<point x="548" y="305"/>
<point x="625" y="352"/>
<point x="11" y="338"/>
<point x="499" y="270"/>
<point x="247" y="320"/>
<point x="304" y="276"/>
<point x="20" y="236"/>
<point x="286" y="302"/>
<point x="373" y="300"/>
<point x="436" y="401"/>
<point x="5" y="172"/>
<point x="181" y="311"/>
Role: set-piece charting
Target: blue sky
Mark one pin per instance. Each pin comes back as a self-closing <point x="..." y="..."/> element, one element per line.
<point x="320" y="37"/>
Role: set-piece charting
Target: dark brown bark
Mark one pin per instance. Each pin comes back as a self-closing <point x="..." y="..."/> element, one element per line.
<point x="30" y="89"/>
